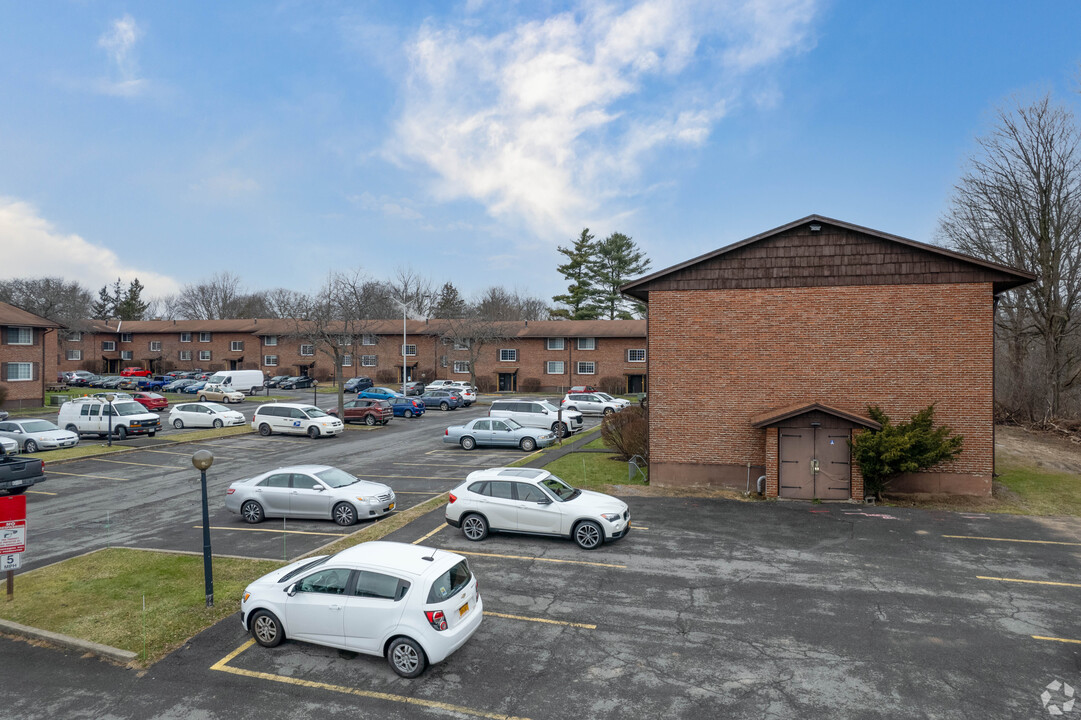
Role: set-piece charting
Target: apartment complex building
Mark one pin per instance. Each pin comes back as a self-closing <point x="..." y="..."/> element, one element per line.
<point x="28" y="357"/>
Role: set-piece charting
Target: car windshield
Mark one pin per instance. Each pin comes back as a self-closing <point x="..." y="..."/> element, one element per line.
<point x="293" y="573"/>
<point x="129" y="408"/>
<point x="336" y="478"/>
<point x="560" y="489"/>
<point x="548" y="406"/>
<point x="314" y="412"/>
<point x="511" y="424"/>
<point x="215" y="408"/>
<point x="38" y="426"/>
<point x="152" y="396"/>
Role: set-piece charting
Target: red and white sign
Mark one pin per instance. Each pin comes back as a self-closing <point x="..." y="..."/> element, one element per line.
<point x="12" y="524"/>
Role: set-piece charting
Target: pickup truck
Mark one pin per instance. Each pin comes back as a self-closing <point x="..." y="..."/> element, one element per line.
<point x="18" y="473"/>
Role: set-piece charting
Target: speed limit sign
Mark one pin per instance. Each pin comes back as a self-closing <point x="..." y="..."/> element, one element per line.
<point x="11" y="561"/>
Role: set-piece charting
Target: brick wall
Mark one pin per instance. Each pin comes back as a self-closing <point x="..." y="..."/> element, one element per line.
<point x="41" y="354"/>
<point x="744" y="352"/>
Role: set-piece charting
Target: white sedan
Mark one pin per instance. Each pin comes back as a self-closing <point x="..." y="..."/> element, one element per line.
<point x="204" y="414"/>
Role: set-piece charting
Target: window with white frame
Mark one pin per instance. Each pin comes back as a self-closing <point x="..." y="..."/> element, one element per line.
<point x="75" y="354"/>
<point x="125" y="337"/>
<point x="185" y="337"/>
<point x="237" y="346"/>
<point x="587" y="368"/>
<point x="127" y="355"/>
<point x="369" y="360"/>
<point x="270" y="360"/>
<point x="462" y="343"/>
<point x="108" y="346"/>
<point x="344" y="340"/>
<point x="409" y="349"/>
<point x="74" y="336"/>
<point x="508" y="355"/>
<point x="20" y="336"/>
<point x="442" y="361"/>
<point x="185" y="354"/>
<point x="461" y="366"/>
<point x="367" y="339"/>
<point x="155" y="346"/>
<point x="204" y="337"/>
<point x="18" y="371"/>
<point x="555" y="343"/>
<point x="204" y="355"/>
<point x="307" y="350"/>
<point x="636" y="355"/>
<point x="347" y="361"/>
<point x="554" y="367"/>
<point x="587" y="343"/>
<point x="270" y="341"/>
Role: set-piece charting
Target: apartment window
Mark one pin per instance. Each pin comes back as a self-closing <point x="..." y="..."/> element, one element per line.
<point x="185" y="354"/>
<point x="204" y="355"/>
<point x="270" y="341"/>
<point x="185" y="337"/>
<point x="344" y="341"/>
<point x="442" y="361"/>
<point x="508" y="355"/>
<point x="204" y="337"/>
<point x="18" y="371"/>
<point x="125" y="337"/>
<point x="75" y="355"/>
<point x="20" y="336"/>
<point x="74" y="336"/>
<point x="108" y="346"/>
<point x="587" y="343"/>
<point x="127" y="355"/>
<point x="587" y="368"/>
<point x="155" y="346"/>
<point x="554" y="367"/>
<point x="638" y="355"/>
<point x="307" y="350"/>
<point x="369" y="360"/>
<point x="367" y="339"/>
<point x="270" y="360"/>
<point x="461" y="366"/>
<point x="462" y="343"/>
<point x="237" y="346"/>
<point x="409" y="349"/>
<point x="347" y="361"/>
<point x="555" y="343"/>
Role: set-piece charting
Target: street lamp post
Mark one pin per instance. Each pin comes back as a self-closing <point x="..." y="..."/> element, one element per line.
<point x="405" y="308"/>
<point x="109" y="397"/>
<point x="202" y="460"/>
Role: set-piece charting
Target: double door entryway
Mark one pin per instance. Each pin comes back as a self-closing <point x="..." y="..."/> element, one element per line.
<point x="815" y="462"/>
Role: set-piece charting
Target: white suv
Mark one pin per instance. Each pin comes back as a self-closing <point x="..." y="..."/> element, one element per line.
<point x="467" y="391"/>
<point x="528" y="500"/>
<point x="538" y="414"/>
<point x="591" y="404"/>
<point x="295" y="419"/>
<point x="412" y="604"/>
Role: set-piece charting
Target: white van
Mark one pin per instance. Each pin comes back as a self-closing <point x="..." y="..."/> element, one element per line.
<point x="245" y="381"/>
<point x="91" y="416"/>
<point x="538" y="414"/>
<point x="295" y="419"/>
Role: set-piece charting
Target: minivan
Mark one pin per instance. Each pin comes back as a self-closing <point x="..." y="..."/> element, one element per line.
<point x="539" y="414"/>
<point x="245" y="381"/>
<point x="295" y="419"/>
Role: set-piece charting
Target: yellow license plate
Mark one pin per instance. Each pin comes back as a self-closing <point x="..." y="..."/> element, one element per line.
<point x="392" y="506"/>
<point x="463" y="609"/>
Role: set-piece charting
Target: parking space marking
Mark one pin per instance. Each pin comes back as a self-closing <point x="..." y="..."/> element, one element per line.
<point x="1055" y="639"/>
<point x="443" y="464"/>
<point x="1017" y="540"/>
<point x="97" y="477"/>
<point x="416" y="492"/>
<point x="125" y="462"/>
<point x="587" y="626"/>
<point x="542" y="559"/>
<point x="272" y="530"/>
<point x="40" y="492"/>
<point x="411" y="477"/>
<point x="223" y="666"/>
<point x="1031" y="582"/>
<point x="433" y="532"/>
<point x="187" y="455"/>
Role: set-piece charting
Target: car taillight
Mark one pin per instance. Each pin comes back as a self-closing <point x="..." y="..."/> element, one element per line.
<point x="447" y="431"/>
<point x="230" y="491"/>
<point x="452" y="497"/>
<point x="42" y="465"/>
<point x="436" y="619"/>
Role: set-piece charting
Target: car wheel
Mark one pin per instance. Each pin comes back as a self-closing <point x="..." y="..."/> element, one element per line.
<point x="344" y="514"/>
<point x="588" y="535"/>
<point x="409" y="413"/>
<point x="202" y="398"/>
<point x="406" y="657"/>
<point x="121" y="432"/>
<point x="218" y="424"/>
<point x="264" y="430"/>
<point x="475" y="528"/>
<point x="444" y="405"/>
<point x="571" y="408"/>
<point x="30" y="446"/>
<point x="608" y="411"/>
<point x="252" y="512"/>
<point x="178" y="424"/>
<point x="251" y="392"/>
<point x="560" y="429"/>
<point x="313" y="432"/>
<point x="369" y="420"/>
<point x="266" y="629"/>
<point x="72" y="428"/>
<point x="151" y="433"/>
<point x="528" y="444"/>
<point x="468" y="443"/>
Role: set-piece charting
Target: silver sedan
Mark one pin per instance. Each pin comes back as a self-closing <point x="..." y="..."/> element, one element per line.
<point x="309" y="491"/>
<point x="35" y="434"/>
<point x="500" y="432"/>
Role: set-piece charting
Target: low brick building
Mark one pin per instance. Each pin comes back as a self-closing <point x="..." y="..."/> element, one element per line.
<point x="27" y="356"/>
<point x="792" y="334"/>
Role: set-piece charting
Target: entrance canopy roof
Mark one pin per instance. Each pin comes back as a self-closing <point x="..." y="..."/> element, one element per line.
<point x="778" y="415"/>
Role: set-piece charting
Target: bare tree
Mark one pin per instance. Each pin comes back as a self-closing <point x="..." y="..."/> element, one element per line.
<point x="472" y="334"/>
<point x="284" y="303"/>
<point x="497" y="303"/>
<point x="214" y="299"/>
<point x="1019" y="203"/>
<point x="63" y="301"/>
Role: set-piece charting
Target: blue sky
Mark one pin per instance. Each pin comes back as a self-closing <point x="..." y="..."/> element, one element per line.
<point x="466" y="140"/>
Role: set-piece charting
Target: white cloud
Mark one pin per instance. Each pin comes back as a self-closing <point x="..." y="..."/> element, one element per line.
<point x="33" y="247"/>
<point x="119" y="42"/>
<point x="551" y="120"/>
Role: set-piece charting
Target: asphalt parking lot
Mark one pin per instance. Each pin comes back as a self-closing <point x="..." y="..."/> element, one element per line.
<point x="709" y="608"/>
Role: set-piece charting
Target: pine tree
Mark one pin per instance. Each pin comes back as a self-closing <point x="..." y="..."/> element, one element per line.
<point x="579" y="298"/>
<point x="105" y="306"/>
<point x="449" y="303"/>
<point x="616" y="261"/>
<point x="131" y="306"/>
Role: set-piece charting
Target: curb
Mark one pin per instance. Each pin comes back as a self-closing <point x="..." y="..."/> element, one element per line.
<point x="85" y="646"/>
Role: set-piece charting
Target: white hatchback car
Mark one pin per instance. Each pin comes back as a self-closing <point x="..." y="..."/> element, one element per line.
<point x="413" y="605"/>
<point x="204" y="414"/>
<point x="528" y="500"/>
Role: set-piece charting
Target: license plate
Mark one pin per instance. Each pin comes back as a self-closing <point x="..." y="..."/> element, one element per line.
<point x="390" y="507"/>
<point x="463" y="609"/>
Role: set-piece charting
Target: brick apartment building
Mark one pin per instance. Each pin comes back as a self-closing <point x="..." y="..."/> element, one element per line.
<point x="515" y="356"/>
<point x="27" y="356"/>
<point x="795" y="333"/>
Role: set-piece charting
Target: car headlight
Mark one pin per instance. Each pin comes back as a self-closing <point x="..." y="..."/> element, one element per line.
<point x="365" y="500"/>
<point x="611" y="517"/>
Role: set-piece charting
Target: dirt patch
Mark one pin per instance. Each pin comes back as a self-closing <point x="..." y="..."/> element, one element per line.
<point x="1038" y="448"/>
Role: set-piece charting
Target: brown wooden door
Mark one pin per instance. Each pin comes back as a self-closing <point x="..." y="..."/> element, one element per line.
<point x="814" y="463"/>
<point x="833" y="476"/>
<point x="795" y="450"/>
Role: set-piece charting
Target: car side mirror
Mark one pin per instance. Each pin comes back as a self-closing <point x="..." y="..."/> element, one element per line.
<point x="291" y="590"/>
<point x="318" y="487"/>
<point x="545" y="501"/>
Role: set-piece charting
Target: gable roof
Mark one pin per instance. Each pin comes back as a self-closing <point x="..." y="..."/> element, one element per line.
<point x="776" y="415"/>
<point x="836" y="253"/>
<point x="14" y="316"/>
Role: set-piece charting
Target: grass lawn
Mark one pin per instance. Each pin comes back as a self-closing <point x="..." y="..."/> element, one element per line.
<point x="592" y="471"/>
<point x="1033" y="491"/>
